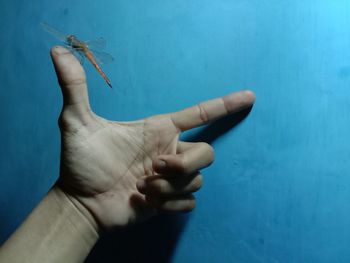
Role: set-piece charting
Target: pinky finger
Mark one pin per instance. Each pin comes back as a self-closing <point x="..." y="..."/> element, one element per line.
<point x="179" y="204"/>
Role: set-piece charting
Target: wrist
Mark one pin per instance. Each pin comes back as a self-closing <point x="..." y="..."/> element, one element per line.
<point x="55" y="231"/>
<point x="79" y="215"/>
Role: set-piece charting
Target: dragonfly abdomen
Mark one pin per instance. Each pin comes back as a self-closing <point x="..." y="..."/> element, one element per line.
<point x="92" y="59"/>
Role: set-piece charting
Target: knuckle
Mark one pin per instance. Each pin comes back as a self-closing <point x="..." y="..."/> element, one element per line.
<point x="189" y="205"/>
<point x="209" y="147"/>
<point x="71" y="120"/>
<point x="63" y="121"/>
<point x="203" y="113"/>
<point x="78" y="80"/>
<point x="181" y="167"/>
<point x="212" y="155"/>
<point x="66" y="116"/>
<point x="161" y="186"/>
<point x="209" y="151"/>
<point x="197" y="183"/>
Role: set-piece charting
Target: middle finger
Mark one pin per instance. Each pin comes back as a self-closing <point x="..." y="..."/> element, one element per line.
<point x="170" y="185"/>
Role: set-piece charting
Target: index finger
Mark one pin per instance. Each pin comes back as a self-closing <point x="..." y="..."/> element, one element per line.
<point x="211" y="110"/>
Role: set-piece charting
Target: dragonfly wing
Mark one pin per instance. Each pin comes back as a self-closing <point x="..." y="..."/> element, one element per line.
<point x="53" y="31"/>
<point x="79" y="54"/>
<point x="98" y="44"/>
<point x="102" y="57"/>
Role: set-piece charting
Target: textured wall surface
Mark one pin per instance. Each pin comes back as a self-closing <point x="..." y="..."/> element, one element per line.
<point x="279" y="190"/>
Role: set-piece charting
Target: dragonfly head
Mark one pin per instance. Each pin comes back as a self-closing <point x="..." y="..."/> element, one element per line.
<point x="72" y="40"/>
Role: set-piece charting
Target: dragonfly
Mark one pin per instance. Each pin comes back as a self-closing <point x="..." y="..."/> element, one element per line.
<point x="90" y="49"/>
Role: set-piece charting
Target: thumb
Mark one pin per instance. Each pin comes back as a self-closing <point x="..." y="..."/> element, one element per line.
<point x="71" y="77"/>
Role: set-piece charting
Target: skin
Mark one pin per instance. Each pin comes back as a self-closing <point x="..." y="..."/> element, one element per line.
<point x="113" y="173"/>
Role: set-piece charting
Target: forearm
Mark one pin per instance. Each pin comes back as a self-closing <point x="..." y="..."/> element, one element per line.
<point x="55" y="231"/>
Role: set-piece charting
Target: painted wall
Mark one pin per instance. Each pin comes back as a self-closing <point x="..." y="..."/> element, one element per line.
<point x="279" y="190"/>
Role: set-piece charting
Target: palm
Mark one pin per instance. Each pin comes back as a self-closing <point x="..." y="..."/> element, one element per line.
<point x="102" y="161"/>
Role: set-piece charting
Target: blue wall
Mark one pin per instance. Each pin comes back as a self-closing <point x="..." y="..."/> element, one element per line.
<point x="279" y="190"/>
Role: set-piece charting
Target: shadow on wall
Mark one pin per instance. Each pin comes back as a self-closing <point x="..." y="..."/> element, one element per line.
<point x="151" y="241"/>
<point x="155" y="240"/>
<point x="214" y="130"/>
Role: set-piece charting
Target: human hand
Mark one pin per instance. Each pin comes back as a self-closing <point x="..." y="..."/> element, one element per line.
<point x="117" y="173"/>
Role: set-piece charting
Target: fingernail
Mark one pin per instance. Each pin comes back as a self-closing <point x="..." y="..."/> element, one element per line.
<point x="141" y="184"/>
<point x="160" y="164"/>
<point x="58" y="50"/>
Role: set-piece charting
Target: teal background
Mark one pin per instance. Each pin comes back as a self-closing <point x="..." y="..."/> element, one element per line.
<point x="279" y="190"/>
